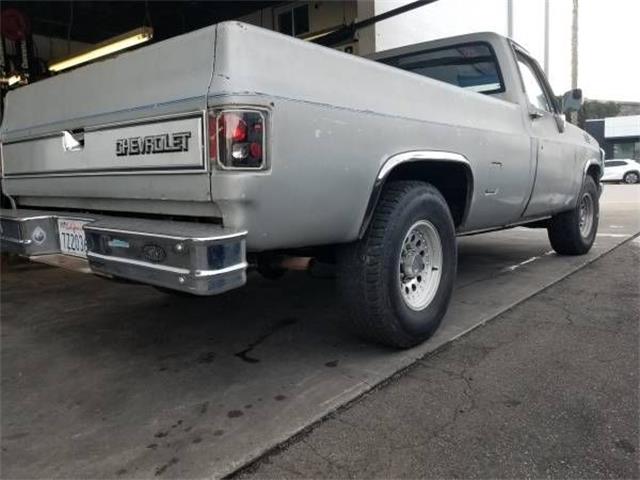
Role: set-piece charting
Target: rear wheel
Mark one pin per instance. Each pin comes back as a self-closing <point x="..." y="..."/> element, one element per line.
<point x="397" y="281"/>
<point x="573" y="232"/>
<point x="631" y="177"/>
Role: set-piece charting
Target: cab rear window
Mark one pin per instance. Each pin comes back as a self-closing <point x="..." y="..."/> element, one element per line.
<point x="472" y="66"/>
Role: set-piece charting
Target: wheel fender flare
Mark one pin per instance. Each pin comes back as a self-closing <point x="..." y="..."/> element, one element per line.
<point x="415" y="156"/>
<point x="599" y="163"/>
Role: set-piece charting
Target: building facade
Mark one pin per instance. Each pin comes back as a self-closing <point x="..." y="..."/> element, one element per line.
<point x="619" y="137"/>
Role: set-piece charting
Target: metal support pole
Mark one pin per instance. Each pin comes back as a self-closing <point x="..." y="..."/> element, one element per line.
<point x="546" y="38"/>
<point x="347" y="32"/>
<point x="510" y="18"/>
<point x="574" y="54"/>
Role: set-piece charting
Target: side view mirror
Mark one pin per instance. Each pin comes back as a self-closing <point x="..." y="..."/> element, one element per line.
<point x="572" y="100"/>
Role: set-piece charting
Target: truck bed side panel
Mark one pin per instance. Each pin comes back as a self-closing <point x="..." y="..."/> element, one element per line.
<point x="335" y="119"/>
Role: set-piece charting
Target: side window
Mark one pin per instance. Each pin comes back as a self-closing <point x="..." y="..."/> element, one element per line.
<point x="626" y="150"/>
<point x="532" y="86"/>
<point x="472" y="66"/>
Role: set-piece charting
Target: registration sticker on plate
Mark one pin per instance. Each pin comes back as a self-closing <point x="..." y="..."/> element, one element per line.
<point x="72" y="239"/>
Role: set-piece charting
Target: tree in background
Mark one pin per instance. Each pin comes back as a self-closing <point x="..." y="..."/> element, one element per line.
<point x="597" y="109"/>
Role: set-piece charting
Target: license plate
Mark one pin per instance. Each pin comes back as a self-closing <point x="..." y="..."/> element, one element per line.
<point x="72" y="240"/>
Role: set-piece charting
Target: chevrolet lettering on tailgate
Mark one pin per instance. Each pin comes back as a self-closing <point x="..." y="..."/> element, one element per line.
<point x="163" y="143"/>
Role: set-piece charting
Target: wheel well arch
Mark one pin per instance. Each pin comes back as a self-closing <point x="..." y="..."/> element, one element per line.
<point x="450" y="173"/>
<point x="595" y="171"/>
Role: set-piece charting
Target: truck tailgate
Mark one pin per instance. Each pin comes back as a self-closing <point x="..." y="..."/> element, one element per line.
<point x="141" y="112"/>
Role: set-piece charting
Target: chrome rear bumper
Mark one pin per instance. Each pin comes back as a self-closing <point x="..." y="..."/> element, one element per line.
<point x="202" y="259"/>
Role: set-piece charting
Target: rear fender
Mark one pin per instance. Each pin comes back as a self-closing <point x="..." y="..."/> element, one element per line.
<point x="428" y="158"/>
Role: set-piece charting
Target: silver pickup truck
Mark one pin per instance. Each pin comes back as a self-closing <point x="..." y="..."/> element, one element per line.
<point x="183" y="164"/>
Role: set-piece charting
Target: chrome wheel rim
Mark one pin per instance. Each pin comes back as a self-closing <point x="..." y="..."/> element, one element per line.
<point x="586" y="215"/>
<point x="631" y="178"/>
<point x="420" y="265"/>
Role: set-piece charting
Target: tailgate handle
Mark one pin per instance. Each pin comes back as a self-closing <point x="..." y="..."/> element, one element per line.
<point x="73" y="141"/>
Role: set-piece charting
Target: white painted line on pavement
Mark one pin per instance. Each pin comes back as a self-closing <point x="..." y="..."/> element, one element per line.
<point x="511" y="268"/>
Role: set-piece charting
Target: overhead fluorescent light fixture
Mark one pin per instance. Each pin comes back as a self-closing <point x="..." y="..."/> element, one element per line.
<point x="309" y="37"/>
<point x="112" y="45"/>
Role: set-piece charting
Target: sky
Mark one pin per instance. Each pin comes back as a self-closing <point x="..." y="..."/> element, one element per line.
<point x="608" y="38"/>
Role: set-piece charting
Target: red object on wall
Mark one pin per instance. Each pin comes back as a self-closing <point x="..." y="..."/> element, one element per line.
<point x="15" y="25"/>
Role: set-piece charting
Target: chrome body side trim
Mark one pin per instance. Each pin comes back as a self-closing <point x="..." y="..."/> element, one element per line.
<point x="168" y="268"/>
<point x="520" y="223"/>
<point x="139" y="263"/>
<point x="409" y="157"/>
<point x="229" y="236"/>
<point x="416" y="156"/>
<point x="105" y="173"/>
<point x="221" y="271"/>
<point x="17" y="241"/>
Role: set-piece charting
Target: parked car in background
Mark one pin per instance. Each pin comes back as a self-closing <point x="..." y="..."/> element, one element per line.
<point x="622" y="170"/>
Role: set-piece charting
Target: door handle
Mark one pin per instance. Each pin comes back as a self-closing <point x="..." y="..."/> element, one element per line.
<point x="535" y="113"/>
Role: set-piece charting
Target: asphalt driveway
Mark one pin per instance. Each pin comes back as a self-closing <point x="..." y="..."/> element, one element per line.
<point x="104" y="380"/>
<point x="546" y="390"/>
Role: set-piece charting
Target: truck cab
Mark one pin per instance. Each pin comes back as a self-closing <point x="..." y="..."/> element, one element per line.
<point x="523" y="186"/>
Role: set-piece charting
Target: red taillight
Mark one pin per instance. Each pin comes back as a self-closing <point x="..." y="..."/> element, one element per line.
<point x="255" y="149"/>
<point x="238" y="136"/>
<point x="233" y="126"/>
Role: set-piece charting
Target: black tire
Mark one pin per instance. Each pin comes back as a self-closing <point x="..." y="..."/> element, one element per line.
<point x="368" y="270"/>
<point x="564" y="229"/>
<point x="631" y="177"/>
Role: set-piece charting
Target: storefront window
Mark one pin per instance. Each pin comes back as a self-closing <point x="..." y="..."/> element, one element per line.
<point x="626" y="150"/>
